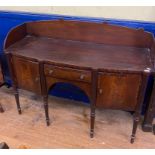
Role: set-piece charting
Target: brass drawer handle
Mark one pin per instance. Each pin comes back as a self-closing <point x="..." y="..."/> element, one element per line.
<point x="100" y="91"/>
<point x="36" y="79"/>
<point x="82" y="76"/>
<point x="50" y="72"/>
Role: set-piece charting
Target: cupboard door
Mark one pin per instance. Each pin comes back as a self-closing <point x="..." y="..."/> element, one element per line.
<point x="27" y="74"/>
<point x="117" y="91"/>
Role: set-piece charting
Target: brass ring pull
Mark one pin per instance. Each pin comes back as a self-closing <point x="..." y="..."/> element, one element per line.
<point x="100" y="91"/>
<point x="82" y="76"/>
<point x="50" y="71"/>
<point x="36" y="79"/>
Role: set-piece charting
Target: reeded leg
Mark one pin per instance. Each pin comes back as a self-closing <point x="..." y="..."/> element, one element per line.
<point x="135" y="125"/>
<point x="93" y="102"/>
<point x="147" y="125"/>
<point x="17" y="99"/>
<point x="92" y="122"/>
<point x="45" y="101"/>
<point x="1" y="108"/>
<point x="142" y="92"/>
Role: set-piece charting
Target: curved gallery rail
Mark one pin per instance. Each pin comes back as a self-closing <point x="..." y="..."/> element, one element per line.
<point x="110" y="63"/>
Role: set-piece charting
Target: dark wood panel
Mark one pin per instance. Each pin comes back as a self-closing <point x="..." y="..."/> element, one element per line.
<point x="81" y="54"/>
<point x="15" y="35"/>
<point x="118" y="91"/>
<point x="92" y="32"/>
<point x="27" y="74"/>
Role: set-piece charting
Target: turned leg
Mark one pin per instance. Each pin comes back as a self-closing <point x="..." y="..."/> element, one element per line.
<point x="93" y="102"/>
<point x="45" y="101"/>
<point x="3" y="145"/>
<point x="92" y="122"/>
<point x="17" y="99"/>
<point x="135" y="125"/>
<point x="153" y="128"/>
<point x="141" y="95"/>
<point x="147" y="125"/>
<point x="1" y="108"/>
<point x="9" y="59"/>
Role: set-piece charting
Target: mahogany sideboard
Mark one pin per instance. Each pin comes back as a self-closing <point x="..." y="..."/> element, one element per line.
<point x="110" y="63"/>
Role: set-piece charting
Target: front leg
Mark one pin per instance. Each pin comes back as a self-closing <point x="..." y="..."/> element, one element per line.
<point x="92" y="122"/>
<point x="1" y="109"/>
<point x="135" y="125"/>
<point x="16" y="93"/>
<point x="147" y="125"/>
<point x="45" y="102"/>
<point x="141" y="94"/>
<point x="10" y="63"/>
<point x="93" y="102"/>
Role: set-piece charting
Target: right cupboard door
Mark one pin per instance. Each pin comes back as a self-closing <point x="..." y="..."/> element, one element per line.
<point x="118" y="91"/>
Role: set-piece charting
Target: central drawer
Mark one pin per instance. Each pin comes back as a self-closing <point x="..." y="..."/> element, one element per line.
<point x="67" y="73"/>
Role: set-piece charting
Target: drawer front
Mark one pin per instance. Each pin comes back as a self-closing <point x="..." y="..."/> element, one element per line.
<point x="117" y="91"/>
<point x="67" y="73"/>
<point x="27" y="74"/>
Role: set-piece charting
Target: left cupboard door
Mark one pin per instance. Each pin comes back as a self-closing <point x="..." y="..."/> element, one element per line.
<point x="27" y="74"/>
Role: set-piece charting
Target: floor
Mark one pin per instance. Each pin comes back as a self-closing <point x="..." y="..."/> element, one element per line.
<point x="69" y="127"/>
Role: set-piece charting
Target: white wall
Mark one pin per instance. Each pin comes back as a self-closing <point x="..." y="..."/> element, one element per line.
<point x="145" y="13"/>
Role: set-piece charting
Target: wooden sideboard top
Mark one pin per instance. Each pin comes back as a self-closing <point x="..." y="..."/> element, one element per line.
<point x="83" y="44"/>
<point x="82" y="54"/>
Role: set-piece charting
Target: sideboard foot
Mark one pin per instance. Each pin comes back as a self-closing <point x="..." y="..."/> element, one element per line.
<point x="45" y="100"/>
<point x="92" y="122"/>
<point x="1" y="109"/>
<point x="135" y="125"/>
<point x="19" y="111"/>
<point x="147" y="127"/>
<point x="91" y="134"/>
<point x="1" y="85"/>
<point x="17" y="101"/>
<point x="48" y="122"/>
<point x="153" y="129"/>
<point x="3" y="145"/>
<point x="132" y="139"/>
